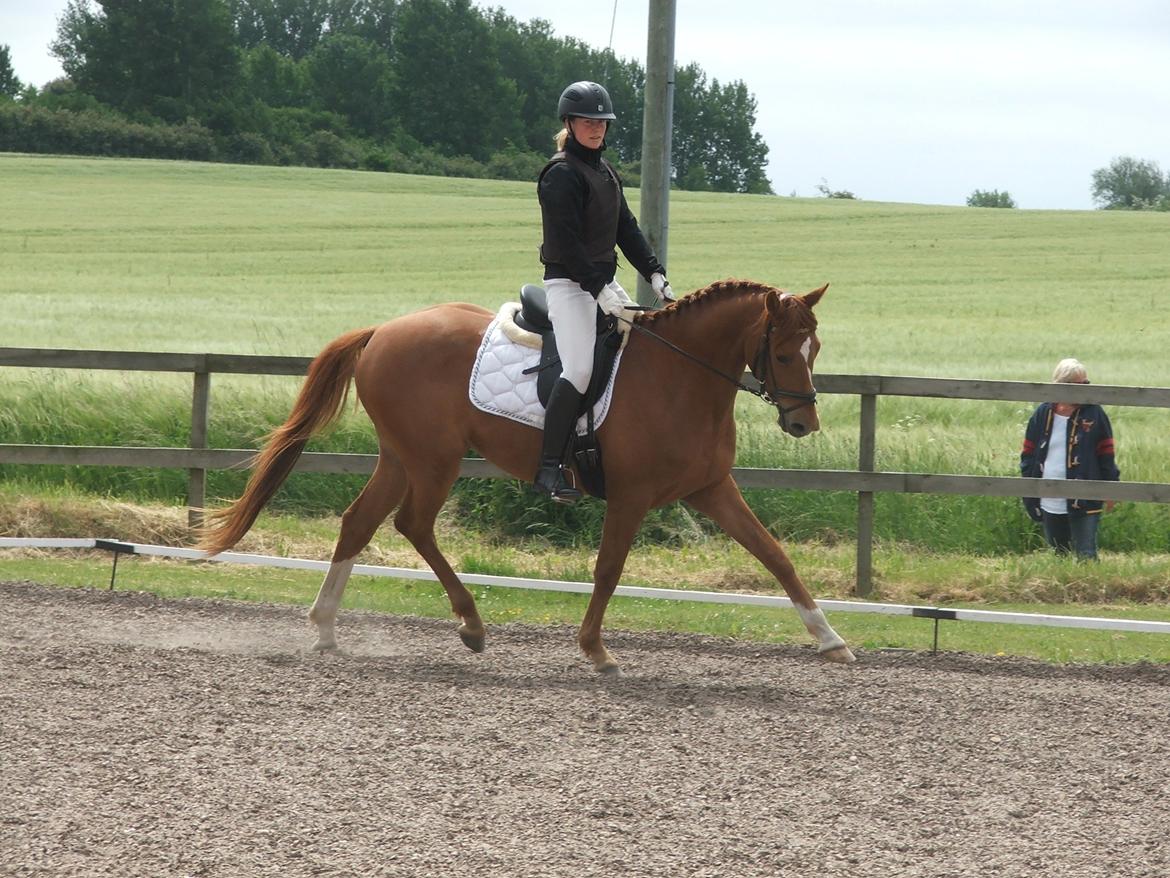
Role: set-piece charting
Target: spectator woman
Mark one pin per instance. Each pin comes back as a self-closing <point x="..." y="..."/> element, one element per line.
<point x="1066" y="440"/>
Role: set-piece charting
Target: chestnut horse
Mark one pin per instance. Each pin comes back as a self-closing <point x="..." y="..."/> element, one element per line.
<point x="669" y="435"/>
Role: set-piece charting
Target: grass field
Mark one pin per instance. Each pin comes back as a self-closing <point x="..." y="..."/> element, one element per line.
<point x="152" y="255"/>
<point x="172" y="256"/>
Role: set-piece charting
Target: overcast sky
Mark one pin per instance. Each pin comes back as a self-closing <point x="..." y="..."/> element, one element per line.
<point x="894" y="100"/>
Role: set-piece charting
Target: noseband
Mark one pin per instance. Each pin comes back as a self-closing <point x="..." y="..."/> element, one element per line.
<point x="762" y="371"/>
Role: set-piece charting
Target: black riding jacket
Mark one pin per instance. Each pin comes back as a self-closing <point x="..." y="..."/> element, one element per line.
<point x="584" y="216"/>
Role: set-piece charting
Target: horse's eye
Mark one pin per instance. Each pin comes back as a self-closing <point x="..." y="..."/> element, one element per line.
<point x="783" y="359"/>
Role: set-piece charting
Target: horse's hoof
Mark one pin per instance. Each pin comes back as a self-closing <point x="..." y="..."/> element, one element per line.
<point x="475" y="641"/>
<point x="604" y="664"/>
<point x="323" y="646"/>
<point x="840" y="654"/>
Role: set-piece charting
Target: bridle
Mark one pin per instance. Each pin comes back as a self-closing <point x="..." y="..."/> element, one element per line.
<point x="761" y="370"/>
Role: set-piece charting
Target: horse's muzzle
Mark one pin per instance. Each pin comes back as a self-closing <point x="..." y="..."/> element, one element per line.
<point x="799" y="420"/>
<point x="797" y="428"/>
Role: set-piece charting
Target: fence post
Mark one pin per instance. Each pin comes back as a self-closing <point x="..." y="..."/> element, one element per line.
<point x="865" y="463"/>
<point x="197" y="478"/>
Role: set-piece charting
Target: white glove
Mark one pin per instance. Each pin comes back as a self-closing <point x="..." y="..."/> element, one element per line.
<point x="610" y="302"/>
<point x="661" y="288"/>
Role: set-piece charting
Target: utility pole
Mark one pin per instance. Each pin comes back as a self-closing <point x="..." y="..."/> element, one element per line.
<point x="657" y="119"/>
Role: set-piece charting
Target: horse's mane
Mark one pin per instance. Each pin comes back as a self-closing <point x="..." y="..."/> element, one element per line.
<point x="803" y="318"/>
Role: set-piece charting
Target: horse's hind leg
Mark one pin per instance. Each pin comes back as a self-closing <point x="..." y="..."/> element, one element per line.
<point x="378" y="498"/>
<point x="324" y="611"/>
<point x="416" y="521"/>
<point x="724" y="503"/>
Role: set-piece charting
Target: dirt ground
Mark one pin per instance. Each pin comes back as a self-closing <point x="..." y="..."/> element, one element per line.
<point x="148" y="737"/>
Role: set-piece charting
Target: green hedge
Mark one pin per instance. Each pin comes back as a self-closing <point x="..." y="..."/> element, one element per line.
<point x="89" y="132"/>
<point x="292" y="137"/>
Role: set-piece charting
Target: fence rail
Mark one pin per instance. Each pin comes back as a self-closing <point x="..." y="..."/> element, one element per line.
<point x="865" y="481"/>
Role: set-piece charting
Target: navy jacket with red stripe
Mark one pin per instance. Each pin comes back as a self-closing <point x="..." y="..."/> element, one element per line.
<point x="1089" y="452"/>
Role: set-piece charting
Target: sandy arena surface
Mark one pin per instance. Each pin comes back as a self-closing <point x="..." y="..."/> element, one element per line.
<point x="149" y="737"/>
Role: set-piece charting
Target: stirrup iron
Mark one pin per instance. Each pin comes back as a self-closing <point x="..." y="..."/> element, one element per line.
<point x="566" y="490"/>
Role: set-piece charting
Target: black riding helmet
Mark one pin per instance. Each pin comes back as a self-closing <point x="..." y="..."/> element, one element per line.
<point x="587" y="100"/>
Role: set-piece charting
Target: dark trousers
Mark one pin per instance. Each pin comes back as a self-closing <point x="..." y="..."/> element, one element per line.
<point x="1067" y="533"/>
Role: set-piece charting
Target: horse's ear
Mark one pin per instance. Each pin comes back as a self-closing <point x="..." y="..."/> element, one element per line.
<point x="812" y="298"/>
<point x="774" y="302"/>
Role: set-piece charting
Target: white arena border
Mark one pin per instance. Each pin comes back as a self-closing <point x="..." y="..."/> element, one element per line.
<point x="119" y="547"/>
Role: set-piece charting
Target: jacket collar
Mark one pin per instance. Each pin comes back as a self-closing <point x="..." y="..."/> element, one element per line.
<point x="591" y="157"/>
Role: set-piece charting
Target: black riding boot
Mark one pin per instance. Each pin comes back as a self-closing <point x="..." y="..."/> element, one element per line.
<point x="560" y="416"/>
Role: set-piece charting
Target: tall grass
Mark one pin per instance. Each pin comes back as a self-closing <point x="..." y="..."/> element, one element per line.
<point x="58" y="408"/>
<point x="151" y="255"/>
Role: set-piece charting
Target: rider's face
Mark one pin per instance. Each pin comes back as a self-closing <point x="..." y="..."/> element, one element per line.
<point x="588" y="132"/>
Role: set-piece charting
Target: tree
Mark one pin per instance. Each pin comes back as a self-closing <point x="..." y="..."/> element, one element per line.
<point x="10" y="86"/>
<point x="992" y="198"/>
<point x="172" y="59"/>
<point x="540" y="66"/>
<point x="274" y="79"/>
<point x="442" y="78"/>
<point x="353" y="77"/>
<point x="714" y="144"/>
<point x="739" y="152"/>
<point x="74" y="28"/>
<point x="292" y="27"/>
<point x="626" y="83"/>
<point x="373" y="20"/>
<point x="827" y="192"/>
<point x="449" y="91"/>
<point x="689" y="147"/>
<point x="1130" y="184"/>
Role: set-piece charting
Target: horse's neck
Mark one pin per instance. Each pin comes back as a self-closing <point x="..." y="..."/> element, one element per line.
<point x="716" y="332"/>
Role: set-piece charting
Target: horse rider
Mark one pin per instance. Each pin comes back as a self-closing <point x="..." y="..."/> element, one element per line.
<point x="584" y="217"/>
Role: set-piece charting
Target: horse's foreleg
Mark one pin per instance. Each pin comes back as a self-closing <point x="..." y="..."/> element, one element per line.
<point x="416" y="522"/>
<point x="725" y="505"/>
<point x="616" y="538"/>
<point x="381" y="494"/>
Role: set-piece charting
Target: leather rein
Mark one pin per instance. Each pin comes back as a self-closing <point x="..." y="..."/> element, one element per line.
<point x="761" y="370"/>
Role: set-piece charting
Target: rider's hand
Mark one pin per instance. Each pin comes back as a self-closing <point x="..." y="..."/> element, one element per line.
<point x="661" y="288"/>
<point x="610" y="302"/>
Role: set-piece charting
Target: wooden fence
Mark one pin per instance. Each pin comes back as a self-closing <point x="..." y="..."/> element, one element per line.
<point x="865" y="481"/>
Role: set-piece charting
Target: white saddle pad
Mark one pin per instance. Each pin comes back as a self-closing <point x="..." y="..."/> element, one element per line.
<point x="499" y="387"/>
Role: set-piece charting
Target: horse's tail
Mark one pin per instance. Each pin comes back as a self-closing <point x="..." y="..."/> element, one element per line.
<point x="318" y="405"/>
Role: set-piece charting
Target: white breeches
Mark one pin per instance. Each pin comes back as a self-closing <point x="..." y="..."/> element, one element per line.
<point x="573" y="313"/>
